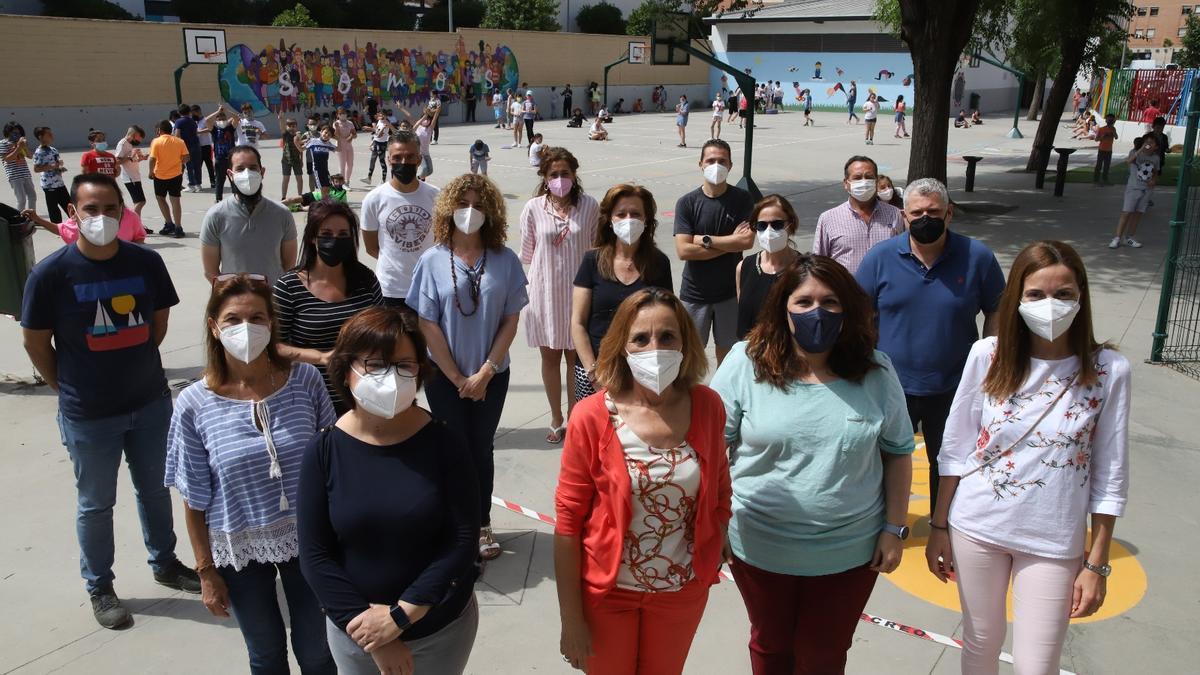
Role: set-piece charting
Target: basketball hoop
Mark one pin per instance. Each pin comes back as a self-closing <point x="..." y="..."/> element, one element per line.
<point x="637" y="53"/>
<point x="210" y="57"/>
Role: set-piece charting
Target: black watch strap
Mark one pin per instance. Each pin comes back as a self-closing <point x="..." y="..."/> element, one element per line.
<point x="400" y="617"/>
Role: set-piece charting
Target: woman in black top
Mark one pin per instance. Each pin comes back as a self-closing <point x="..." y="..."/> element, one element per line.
<point x="625" y="260"/>
<point x="388" y="518"/>
<point x="774" y="221"/>
<point x="328" y="287"/>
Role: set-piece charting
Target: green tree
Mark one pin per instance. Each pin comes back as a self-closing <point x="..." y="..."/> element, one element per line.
<point x="521" y="15"/>
<point x="1188" y="55"/>
<point x="296" y="17"/>
<point x="601" y="18"/>
<point x="467" y="14"/>
<point x="641" y="19"/>
<point x="87" y="9"/>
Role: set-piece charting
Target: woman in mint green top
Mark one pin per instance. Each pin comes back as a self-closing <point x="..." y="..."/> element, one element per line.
<point x="820" y="444"/>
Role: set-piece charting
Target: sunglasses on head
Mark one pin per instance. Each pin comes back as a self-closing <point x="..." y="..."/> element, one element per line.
<point x="254" y="278"/>
<point x="762" y="225"/>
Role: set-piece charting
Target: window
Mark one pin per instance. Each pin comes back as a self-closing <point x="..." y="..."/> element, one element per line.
<point x="1150" y="32"/>
<point x="1186" y="9"/>
<point x="1153" y="11"/>
<point x="1139" y="32"/>
<point x="1182" y="31"/>
<point x="1141" y="11"/>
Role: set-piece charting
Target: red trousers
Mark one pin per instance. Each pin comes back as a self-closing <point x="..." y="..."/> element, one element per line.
<point x="802" y="625"/>
<point x="636" y="633"/>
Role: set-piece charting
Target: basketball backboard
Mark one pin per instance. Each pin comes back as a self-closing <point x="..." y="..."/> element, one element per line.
<point x="638" y="52"/>
<point x="670" y="29"/>
<point x="202" y="45"/>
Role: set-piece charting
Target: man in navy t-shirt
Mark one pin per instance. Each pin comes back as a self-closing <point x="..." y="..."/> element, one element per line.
<point x="929" y="285"/>
<point x="187" y="129"/>
<point x="93" y="316"/>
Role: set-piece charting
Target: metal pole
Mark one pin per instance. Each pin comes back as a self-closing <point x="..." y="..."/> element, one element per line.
<point x="1178" y="222"/>
<point x="450" y="13"/>
<point x="1014" y="132"/>
<point x="178" y="83"/>
<point x="607" y="68"/>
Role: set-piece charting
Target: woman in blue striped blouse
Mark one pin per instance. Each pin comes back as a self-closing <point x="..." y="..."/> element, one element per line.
<point x="234" y="449"/>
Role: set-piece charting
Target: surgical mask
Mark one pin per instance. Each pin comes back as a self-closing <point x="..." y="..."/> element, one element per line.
<point x="99" y="230"/>
<point x="405" y="173"/>
<point x="245" y="341"/>
<point x="716" y="173"/>
<point x="655" y="369"/>
<point x="772" y="240"/>
<point x="468" y="220"/>
<point x="886" y="194"/>
<point x="629" y="230"/>
<point x="221" y="124"/>
<point x="816" y="330"/>
<point x="385" y="394"/>
<point x="560" y="187"/>
<point x="334" y="251"/>
<point x="862" y="190"/>
<point x="1049" y="318"/>
<point x="312" y="127"/>
<point x="101" y="146"/>
<point x="247" y="181"/>
<point x="927" y="229"/>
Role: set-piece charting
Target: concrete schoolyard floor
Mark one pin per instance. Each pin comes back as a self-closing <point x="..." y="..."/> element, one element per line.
<point x="1146" y="626"/>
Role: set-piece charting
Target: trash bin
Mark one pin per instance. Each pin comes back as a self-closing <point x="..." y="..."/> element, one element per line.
<point x="974" y="104"/>
<point x="16" y="258"/>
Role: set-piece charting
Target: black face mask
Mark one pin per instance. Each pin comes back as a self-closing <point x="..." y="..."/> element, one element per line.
<point x="334" y="251"/>
<point x="135" y="143"/>
<point x="817" y="330"/>
<point x="405" y="173"/>
<point x="927" y="229"/>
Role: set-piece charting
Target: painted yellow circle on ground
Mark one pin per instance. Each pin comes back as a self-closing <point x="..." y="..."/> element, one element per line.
<point x="1126" y="586"/>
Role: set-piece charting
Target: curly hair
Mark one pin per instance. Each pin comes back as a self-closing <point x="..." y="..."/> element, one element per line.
<point x="491" y="201"/>
<point x="549" y="157"/>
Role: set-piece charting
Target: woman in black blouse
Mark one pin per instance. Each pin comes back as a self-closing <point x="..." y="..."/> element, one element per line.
<point x="774" y="222"/>
<point x="625" y="260"/>
<point x="389" y="512"/>
<point x="329" y="286"/>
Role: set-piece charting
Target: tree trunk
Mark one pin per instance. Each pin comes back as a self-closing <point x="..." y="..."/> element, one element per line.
<point x="1074" y="43"/>
<point x="1039" y="92"/>
<point x="936" y="31"/>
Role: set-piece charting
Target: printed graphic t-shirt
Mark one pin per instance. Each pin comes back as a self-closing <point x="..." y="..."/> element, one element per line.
<point x="101" y="312"/>
<point x="404" y="221"/>
<point x="96" y="161"/>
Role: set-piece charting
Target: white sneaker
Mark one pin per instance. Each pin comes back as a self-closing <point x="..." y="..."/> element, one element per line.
<point x="1115" y="243"/>
<point x="1132" y="243"/>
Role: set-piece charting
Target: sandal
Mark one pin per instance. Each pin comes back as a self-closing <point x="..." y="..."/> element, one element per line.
<point x="557" y="434"/>
<point x="489" y="548"/>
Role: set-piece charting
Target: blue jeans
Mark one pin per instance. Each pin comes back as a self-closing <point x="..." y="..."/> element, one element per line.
<point x="195" y="161"/>
<point x="255" y="605"/>
<point x="95" y="447"/>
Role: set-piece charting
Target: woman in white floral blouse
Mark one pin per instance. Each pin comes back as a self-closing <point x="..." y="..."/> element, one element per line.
<point x="1036" y="440"/>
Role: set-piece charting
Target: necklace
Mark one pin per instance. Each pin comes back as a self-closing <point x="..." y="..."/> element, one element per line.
<point x="474" y="283"/>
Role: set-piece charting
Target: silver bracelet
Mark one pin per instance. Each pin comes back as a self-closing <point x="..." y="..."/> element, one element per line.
<point x="495" y="366"/>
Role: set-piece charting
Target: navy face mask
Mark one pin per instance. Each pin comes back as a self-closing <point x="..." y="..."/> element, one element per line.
<point x="816" y="330"/>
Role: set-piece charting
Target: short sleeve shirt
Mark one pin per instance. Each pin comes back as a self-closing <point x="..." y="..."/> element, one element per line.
<point x="103" y="163"/>
<point x="48" y="154"/>
<point x="167" y="153"/>
<point x="186" y="128"/>
<point x="249" y="131"/>
<point x="16" y="169"/>
<point x="711" y="281"/>
<point x="404" y="221"/>
<point x="927" y="316"/>
<point x="249" y="241"/>
<point x="101" y="313"/>
<point x="608" y="294"/>
<point x="1143" y="169"/>
<point x="131" y="172"/>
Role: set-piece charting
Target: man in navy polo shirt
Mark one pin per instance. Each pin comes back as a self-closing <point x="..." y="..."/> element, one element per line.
<point x="929" y="286"/>
<point x="93" y="316"/>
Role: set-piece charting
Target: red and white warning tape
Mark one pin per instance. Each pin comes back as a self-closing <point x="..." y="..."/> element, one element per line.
<point x="912" y="631"/>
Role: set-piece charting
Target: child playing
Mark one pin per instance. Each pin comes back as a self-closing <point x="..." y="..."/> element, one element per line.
<point x="224" y="139"/>
<point x="50" y="167"/>
<point x="535" y="151"/>
<point x="336" y="192"/>
<point x="901" y="109"/>
<point x="318" y="148"/>
<point x="597" y="132"/>
<point x="130" y="228"/>
<point x="480" y="153"/>
<point x="577" y="119"/>
<point x="381" y="132"/>
<point x="718" y="113"/>
<point x="1143" y="174"/>
<point x="14" y="151"/>
<point x="98" y="159"/>
<point x="292" y="164"/>
<point x="129" y="157"/>
<point x="1106" y="135"/>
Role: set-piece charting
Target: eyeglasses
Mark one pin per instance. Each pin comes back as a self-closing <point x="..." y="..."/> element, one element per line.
<point x="762" y="225"/>
<point x="253" y="278"/>
<point x="377" y="367"/>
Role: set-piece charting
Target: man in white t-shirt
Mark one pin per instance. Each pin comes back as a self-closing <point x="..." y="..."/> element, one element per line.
<point x="397" y="219"/>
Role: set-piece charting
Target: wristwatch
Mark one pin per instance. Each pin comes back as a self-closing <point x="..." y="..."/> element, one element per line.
<point x="400" y="617"/>
<point x="706" y="241"/>
<point x="1103" y="570"/>
<point x="900" y="531"/>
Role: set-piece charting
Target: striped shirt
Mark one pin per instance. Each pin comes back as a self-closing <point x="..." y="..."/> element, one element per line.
<point x="554" y="248"/>
<point x="220" y="462"/>
<point x="308" y="322"/>
<point x="17" y="169"/>
<point x="842" y="235"/>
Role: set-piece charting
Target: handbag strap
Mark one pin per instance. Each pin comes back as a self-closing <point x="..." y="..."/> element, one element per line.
<point x="998" y="455"/>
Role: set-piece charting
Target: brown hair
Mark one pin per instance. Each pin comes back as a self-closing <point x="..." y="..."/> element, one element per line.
<point x="374" y="330"/>
<point x="495" y="226"/>
<point x="549" y="157"/>
<point x="1013" y="339"/>
<point x="612" y="371"/>
<point x="606" y="240"/>
<point x="216" y="371"/>
<point x="781" y="203"/>
<point x="771" y="345"/>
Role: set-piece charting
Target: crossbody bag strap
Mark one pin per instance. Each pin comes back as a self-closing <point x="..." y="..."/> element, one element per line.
<point x="988" y="462"/>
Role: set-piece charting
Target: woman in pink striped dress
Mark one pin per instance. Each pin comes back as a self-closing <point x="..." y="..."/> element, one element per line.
<point x="557" y="228"/>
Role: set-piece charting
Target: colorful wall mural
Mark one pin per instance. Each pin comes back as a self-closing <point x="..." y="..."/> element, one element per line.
<point x="288" y="78"/>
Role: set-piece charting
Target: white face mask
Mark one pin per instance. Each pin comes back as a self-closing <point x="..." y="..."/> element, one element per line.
<point x="468" y="220"/>
<point x="862" y="190"/>
<point x="655" y="369"/>
<point x="1049" y="318"/>
<point x="772" y="240"/>
<point x="99" y="230"/>
<point x="716" y="173"/>
<point x="247" y="181"/>
<point x="629" y="230"/>
<point x="385" y="395"/>
<point x="886" y="194"/>
<point x="245" y="341"/>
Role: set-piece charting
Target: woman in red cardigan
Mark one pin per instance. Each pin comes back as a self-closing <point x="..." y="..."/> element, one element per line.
<point x="643" y="497"/>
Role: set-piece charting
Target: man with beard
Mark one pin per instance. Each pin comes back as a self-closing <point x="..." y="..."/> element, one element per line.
<point x="247" y="232"/>
<point x="397" y="218"/>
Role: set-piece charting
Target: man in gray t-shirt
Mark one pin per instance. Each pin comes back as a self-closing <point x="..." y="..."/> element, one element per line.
<point x="247" y="232"/>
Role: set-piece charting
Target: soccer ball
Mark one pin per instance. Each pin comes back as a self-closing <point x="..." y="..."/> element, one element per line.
<point x="1145" y="171"/>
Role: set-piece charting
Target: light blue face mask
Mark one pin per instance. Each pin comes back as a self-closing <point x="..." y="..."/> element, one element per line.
<point x="101" y="146"/>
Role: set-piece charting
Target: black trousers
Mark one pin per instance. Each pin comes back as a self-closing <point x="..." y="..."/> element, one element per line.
<point x="930" y="413"/>
<point x="222" y="165"/>
<point x="567" y="106"/>
<point x="528" y="131"/>
<point x="57" y="198"/>
<point x="470" y="111"/>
